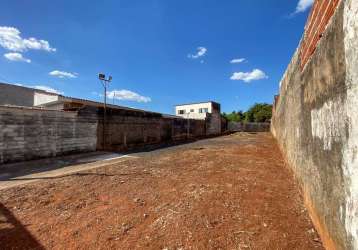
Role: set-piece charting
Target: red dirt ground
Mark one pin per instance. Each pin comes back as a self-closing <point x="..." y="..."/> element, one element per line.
<point x="231" y="192"/>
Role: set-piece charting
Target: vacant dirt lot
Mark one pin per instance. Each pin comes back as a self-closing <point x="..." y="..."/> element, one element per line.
<point x="232" y="192"/>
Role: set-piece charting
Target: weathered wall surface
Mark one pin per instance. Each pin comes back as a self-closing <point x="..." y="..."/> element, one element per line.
<point x="213" y="122"/>
<point x="29" y="133"/>
<point x="248" y="127"/>
<point x="128" y="130"/>
<point x="315" y="121"/>
<point x="16" y="95"/>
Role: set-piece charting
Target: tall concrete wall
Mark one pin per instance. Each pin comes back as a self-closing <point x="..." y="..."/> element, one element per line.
<point x="213" y="124"/>
<point x="29" y="133"/>
<point x="16" y="95"/>
<point x="315" y="121"/>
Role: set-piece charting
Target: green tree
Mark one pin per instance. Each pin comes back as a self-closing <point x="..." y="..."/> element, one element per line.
<point x="259" y="112"/>
<point x="234" y="116"/>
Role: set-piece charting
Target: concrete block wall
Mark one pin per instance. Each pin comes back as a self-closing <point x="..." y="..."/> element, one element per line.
<point x="27" y="133"/>
<point x="129" y="130"/>
<point x="213" y="122"/>
<point x="315" y="121"/>
<point x="197" y="128"/>
<point x="16" y="95"/>
<point x="122" y="132"/>
<point x="248" y="127"/>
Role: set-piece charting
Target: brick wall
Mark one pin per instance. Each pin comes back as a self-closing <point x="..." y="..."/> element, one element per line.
<point x="321" y="13"/>
<point x="30" y="133"/>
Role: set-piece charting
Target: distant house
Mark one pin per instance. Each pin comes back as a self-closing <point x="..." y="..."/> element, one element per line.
<point x="198" y="110"/>
<point x="209" y="111"/>
<point x="17" y="95"/>
<point x="70" y="103"/>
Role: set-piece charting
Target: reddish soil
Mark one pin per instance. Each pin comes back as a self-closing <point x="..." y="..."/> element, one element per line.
<point x="231" y="192"/>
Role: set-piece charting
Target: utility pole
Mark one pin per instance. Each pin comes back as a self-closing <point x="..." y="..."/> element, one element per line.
<point x="105" y="82"/>
<point x="188" y="126"/>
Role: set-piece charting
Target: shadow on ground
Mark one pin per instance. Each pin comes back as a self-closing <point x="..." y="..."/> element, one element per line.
<point x="18" y="171"/>
<point x="27" y="171"/>
<point x="12" y="171"/>
<point x="11" y="229"/>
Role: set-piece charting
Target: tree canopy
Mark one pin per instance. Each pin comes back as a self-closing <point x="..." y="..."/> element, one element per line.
<point x="259" y="112"/>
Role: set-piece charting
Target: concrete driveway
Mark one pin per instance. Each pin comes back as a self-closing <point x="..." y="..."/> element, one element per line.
<point x="15" y="174"/>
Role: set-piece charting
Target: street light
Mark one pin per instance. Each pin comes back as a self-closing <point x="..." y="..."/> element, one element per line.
<point x="105" y="82"/>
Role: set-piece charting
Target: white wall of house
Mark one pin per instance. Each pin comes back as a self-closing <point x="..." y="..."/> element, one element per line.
<point x="195" y="110"/>
<point x="41" y="98"/>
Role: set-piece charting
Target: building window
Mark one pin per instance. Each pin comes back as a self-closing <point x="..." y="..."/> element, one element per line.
<point x="181" y="112"/>
<point x="203" y="110"/>
<point x="192" y="111"/>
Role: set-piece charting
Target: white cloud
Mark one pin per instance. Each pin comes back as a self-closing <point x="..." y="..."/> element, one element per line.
<point x="238" y="60"/>
<point x="10" y="39"/>
<point x="63" y="74"/>
<point x="303" y="5"/>
<point x="127" y="95"/>
<point x="256" y="74"/>
<point x="201" y="51"/>
<point x="17" y="57"/>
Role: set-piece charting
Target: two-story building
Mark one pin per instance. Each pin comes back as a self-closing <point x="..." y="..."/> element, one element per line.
<point x="198" y="110"/>
<point x="209" y="111"/>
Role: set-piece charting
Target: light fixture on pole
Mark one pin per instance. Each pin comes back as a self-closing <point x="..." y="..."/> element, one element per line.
<point x="105" y="82"/>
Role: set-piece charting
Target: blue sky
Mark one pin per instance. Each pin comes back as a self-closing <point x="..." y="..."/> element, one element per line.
<point x="159" y="52"/>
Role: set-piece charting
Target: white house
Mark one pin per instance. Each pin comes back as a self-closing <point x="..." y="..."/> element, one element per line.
<point x="197" y="110"/>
